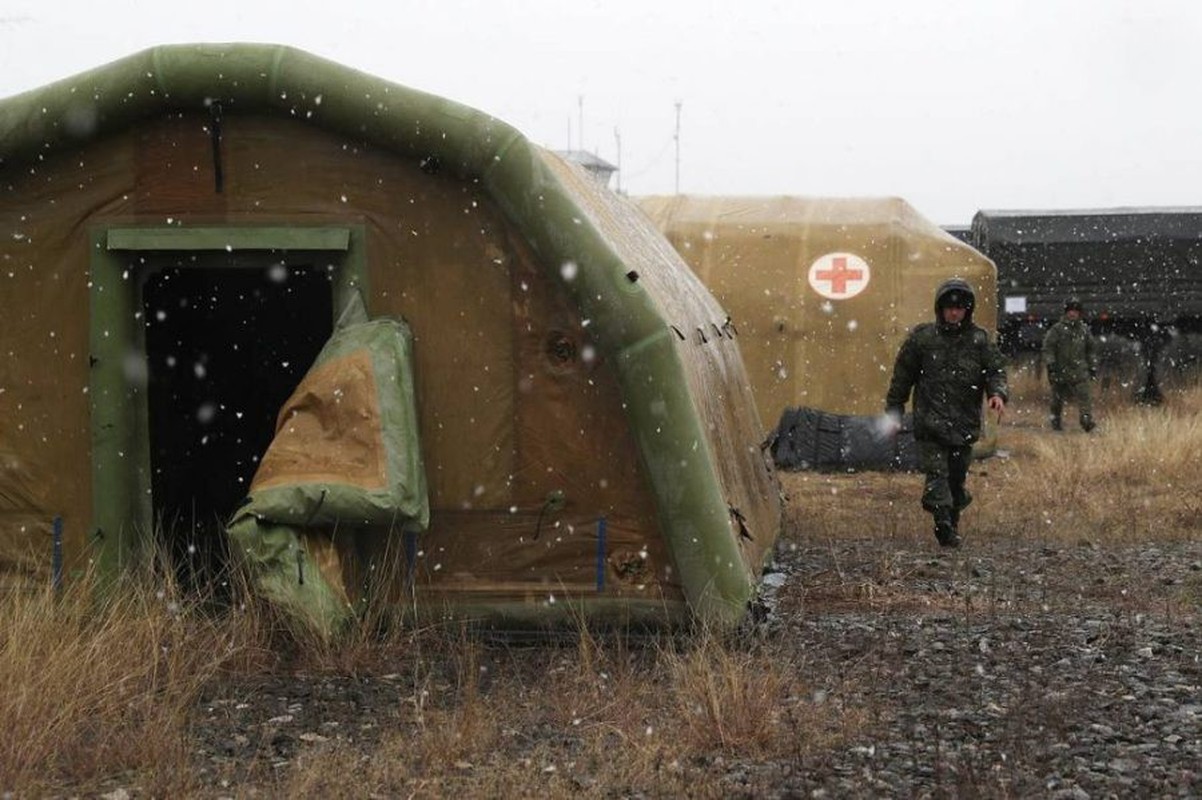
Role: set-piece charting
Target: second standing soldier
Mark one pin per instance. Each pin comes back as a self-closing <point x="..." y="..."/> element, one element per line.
<point x="1068" y="353"/>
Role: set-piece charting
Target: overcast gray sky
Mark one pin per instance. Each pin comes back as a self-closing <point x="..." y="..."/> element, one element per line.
<point x="953" y="105"/>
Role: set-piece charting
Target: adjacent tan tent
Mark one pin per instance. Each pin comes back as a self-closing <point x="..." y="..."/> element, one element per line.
<point x="822" y="291"/>
<point x="529" y="437"/>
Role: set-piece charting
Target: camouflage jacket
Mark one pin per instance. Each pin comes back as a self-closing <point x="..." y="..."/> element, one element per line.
<point x="1068" y="352"/>
<point x="950" y="371"/>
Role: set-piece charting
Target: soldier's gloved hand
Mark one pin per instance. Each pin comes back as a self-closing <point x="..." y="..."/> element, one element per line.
<point x="889" y="423"/>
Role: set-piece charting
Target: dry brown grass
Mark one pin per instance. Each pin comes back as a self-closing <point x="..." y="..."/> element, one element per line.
<point x="596" y="718"/>
<point x="98" y="688"/>
<point x="1137" y="476"/>
<point x="100" y="694"/>
<point x="731" y="701"/>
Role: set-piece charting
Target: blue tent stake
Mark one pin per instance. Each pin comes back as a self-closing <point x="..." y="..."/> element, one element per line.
<point x="56" y="563"/>
<point x="601" y="554"/>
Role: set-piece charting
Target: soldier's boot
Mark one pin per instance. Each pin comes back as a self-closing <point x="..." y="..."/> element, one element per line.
<point x="1087" y="423"/>
<point x="1055" y="422"/>
<point x="945" y="529"/>
<point x="958" y="505"/>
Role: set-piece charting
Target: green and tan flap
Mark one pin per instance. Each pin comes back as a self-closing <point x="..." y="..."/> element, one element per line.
<point x="346" y="448"/>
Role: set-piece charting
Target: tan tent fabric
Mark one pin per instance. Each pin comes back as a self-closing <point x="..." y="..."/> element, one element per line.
<point x="335" y="406"/>
<point x="44" y="420"/>
<point x="802" y="348"/>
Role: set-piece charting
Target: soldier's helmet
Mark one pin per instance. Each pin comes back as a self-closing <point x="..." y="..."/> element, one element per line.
<point x="955" y="292"/>
<point x="955" y="299"/>
<point x="1074" y="304"/>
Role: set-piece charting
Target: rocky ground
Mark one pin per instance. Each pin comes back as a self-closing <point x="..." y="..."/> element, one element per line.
<point x="1004" y="669"/>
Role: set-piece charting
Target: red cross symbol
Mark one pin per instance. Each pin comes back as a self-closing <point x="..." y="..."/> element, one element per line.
<point x="839" y="275"/>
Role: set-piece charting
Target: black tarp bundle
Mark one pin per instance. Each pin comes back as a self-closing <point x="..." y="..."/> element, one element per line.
<point x="809" y="439"/>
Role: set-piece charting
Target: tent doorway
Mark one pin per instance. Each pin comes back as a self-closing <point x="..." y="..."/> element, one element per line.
<point x="228" y="279"/>
<point x="225" y="347"/>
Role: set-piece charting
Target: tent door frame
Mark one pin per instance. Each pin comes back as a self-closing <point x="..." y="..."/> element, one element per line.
<point x="122" y="510"/>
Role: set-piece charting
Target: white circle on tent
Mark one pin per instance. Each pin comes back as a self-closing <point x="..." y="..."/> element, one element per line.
<point x="838" y="276"/>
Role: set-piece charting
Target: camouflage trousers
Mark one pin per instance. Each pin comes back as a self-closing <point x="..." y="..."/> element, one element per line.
<point x="1075" y="393"/>
<point x="946" y="470"/>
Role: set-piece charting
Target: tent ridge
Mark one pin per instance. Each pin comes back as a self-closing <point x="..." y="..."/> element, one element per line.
<point x="169" y="78"/>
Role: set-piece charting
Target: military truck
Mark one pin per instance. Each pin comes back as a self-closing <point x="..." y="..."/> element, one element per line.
<point x="1137" y="270"/>
<point x="961" y="232"/>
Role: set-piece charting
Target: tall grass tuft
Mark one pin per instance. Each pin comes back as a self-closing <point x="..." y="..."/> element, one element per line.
<point x="729" y="700"/>
<point x="100" y="688"/>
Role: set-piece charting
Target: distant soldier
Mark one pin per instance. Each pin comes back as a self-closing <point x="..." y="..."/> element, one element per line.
<point x="950" y="365"/>
<point x="1068" y="353"/>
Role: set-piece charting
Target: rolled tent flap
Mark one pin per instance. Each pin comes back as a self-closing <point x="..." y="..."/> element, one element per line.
<point x="347" y="453"/>
<point x="295" y="569"/>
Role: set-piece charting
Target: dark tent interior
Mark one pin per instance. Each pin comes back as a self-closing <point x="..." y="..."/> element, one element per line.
<point x="225" y="347"/>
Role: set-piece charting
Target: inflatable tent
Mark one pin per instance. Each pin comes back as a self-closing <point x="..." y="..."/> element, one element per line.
<point x="401" y="351"/>
<point x="822" y="291"/>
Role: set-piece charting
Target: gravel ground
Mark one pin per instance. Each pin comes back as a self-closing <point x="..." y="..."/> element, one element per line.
<point x="1000" y="670"/>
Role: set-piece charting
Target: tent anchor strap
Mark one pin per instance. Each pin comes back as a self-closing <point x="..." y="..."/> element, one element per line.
<point x="601" y="554"/>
